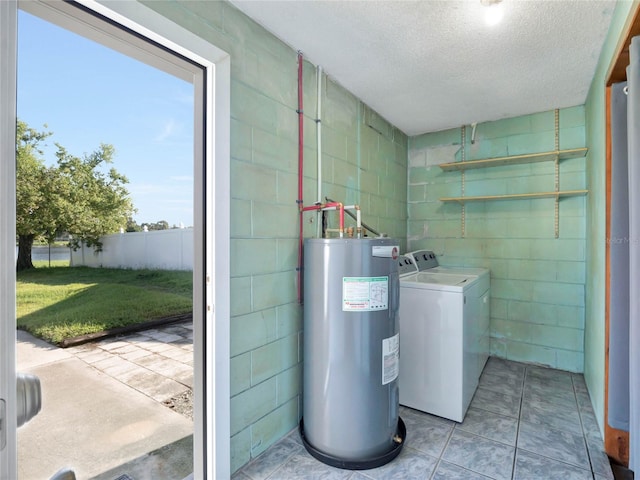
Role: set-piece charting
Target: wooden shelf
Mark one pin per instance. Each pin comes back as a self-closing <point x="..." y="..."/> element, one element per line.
<point x="516" y="196"/>
<point x="515" y="159"/>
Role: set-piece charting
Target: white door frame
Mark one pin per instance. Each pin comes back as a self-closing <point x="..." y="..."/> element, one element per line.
<point x="211" y="309"/>
<point x="8" y="45"/>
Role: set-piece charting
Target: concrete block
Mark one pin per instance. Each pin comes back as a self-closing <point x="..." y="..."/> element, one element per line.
<point x="253" y="331"/>
<point x="275" y="152"/>
<point x="241" y="295"/>
<point x="240" y="449"/>
<point x="499" y="308"/>
<point x="340" y="108"/>
<point x="240" y="218"/>
<point x="488" y="228"/>
<point x="573" y="181"/>
<point x="519" y="311"/>
<point x="570" y="361"/>
<point x="252" y="256"/>
<point x="241" y="141"/>
<point x="287" y="254"/>
<point x="543" y="121"/>
<point x="531" y="228"/>
<point x="512" y="331"/>
<point x="253" y="182"/>
<point x="289" y="384"/>
<point x="571" y="272"/>
<point x="417" y="193"/>
<point x="273" y="427"/>
<point x="572" y="117"/>
<point x="252" y="404"/>
<point x="240" y="366"/>
<point x="274" y="289"/>
<point x="289" y="319"/>
<point x="345" y="173"/>
<point x="273" y="358"/>
<point x="559" y="293"/>
<point x="287" y="187"/>
<point x="270" y="221"/>
<point x="528" y="353"/>
<point x="512" y="289"/>
<point x="444" y="137"/>
<point x="531" y="143"/>
<point x="558" y="249"/>
<point x="505" y="128"/>
<point x="334" y="143"/>
<point x="557" y="337"/>
<point x="574" y="137"/>
<point x="571" y="316"/>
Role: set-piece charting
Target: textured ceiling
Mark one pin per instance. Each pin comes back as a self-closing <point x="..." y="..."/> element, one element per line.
<point x="431" y="65"/>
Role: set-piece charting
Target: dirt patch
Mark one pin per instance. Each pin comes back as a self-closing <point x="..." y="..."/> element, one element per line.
<point x="182" y="404"/>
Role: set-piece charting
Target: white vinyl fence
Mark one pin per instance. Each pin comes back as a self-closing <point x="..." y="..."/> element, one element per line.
<point x="158" y="249"/>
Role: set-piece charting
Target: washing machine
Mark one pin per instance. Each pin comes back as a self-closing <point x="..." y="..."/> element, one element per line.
<point x="444" y="334"/>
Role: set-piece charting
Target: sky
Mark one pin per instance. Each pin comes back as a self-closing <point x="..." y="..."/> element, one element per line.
<point x="87" y="94"/>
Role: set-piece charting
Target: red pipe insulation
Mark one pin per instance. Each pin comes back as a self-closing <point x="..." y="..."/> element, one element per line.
<point x="327" y="206"/>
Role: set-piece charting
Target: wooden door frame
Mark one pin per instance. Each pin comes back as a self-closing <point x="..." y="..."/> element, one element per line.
<point x="616" y="442"/>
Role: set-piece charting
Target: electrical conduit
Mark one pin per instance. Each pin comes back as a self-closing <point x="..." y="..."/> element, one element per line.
<point x="300" y="112"/>
<point x="319" y="142"/>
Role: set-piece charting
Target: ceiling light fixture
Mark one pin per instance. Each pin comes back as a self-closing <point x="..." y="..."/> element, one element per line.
<point x="493" y="13"/>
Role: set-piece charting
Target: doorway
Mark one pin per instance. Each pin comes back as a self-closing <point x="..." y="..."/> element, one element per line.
<point x="139" y="32"/>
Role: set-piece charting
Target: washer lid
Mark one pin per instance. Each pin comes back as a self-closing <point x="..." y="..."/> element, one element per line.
<point x="437" y="281"/>
<point x="469" y="271"/>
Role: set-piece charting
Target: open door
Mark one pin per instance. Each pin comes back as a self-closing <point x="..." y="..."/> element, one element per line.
<point x="8" y="414"/>
<point x="136" y="25"/>
<point x="617" y="439"/>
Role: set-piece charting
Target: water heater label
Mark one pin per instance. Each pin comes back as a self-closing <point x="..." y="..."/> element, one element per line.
<point x="390" y="358"/>
<point x="365" y="294"/>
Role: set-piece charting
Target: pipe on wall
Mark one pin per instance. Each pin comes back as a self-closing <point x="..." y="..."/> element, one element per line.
<point x="330" y="206"/>
<point x="300" y="112"/>
<point x="319" y="141"/>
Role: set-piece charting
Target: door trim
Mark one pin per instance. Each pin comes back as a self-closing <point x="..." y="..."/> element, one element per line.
<point x="8" y="52"/>
<point x="211" y="306"/>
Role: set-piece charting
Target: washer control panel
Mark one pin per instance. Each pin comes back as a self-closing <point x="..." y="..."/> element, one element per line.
<point x="424" y="259"/>
<point x="406" y="265"/>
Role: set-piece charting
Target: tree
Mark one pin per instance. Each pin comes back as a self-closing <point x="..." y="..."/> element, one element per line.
<point x="160" y="225"/>
<point x="132" y="226"/>
<point x="31" y="191"/>
<point x="77" y="195"/>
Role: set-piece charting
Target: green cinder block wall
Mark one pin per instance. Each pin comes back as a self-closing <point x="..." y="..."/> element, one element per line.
<point x="364" y="162"/>
<point x="538" y="281"/>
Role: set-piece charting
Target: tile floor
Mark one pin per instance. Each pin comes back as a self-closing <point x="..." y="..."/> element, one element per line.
<point x="524" y="423"/>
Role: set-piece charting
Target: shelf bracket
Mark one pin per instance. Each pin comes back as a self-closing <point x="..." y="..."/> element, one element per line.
<point x="463" y="135"/>
<point x="556" y="221"/>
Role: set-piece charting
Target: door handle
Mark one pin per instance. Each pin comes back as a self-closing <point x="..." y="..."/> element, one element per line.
<point x="64" y="474"/>
<point x="28" y="398"/>
<point x="28" y="404"/>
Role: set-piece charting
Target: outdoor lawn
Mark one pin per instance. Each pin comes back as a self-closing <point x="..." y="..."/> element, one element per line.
<point x="62" y="302"/>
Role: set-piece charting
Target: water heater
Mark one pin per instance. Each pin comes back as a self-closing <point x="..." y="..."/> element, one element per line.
<point x="351" y="352"/>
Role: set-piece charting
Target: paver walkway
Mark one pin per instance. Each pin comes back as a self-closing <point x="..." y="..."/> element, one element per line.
<point x="104" y="410"/>
<point x="157" y="362"/>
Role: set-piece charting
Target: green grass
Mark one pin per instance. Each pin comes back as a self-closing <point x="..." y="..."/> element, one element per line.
<point x="54" y="263"/>
<point x="61" y="302"/>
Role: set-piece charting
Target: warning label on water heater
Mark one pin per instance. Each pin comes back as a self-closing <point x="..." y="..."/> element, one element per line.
<point x="365" y="294"/>
<point x="390" y="358"/>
